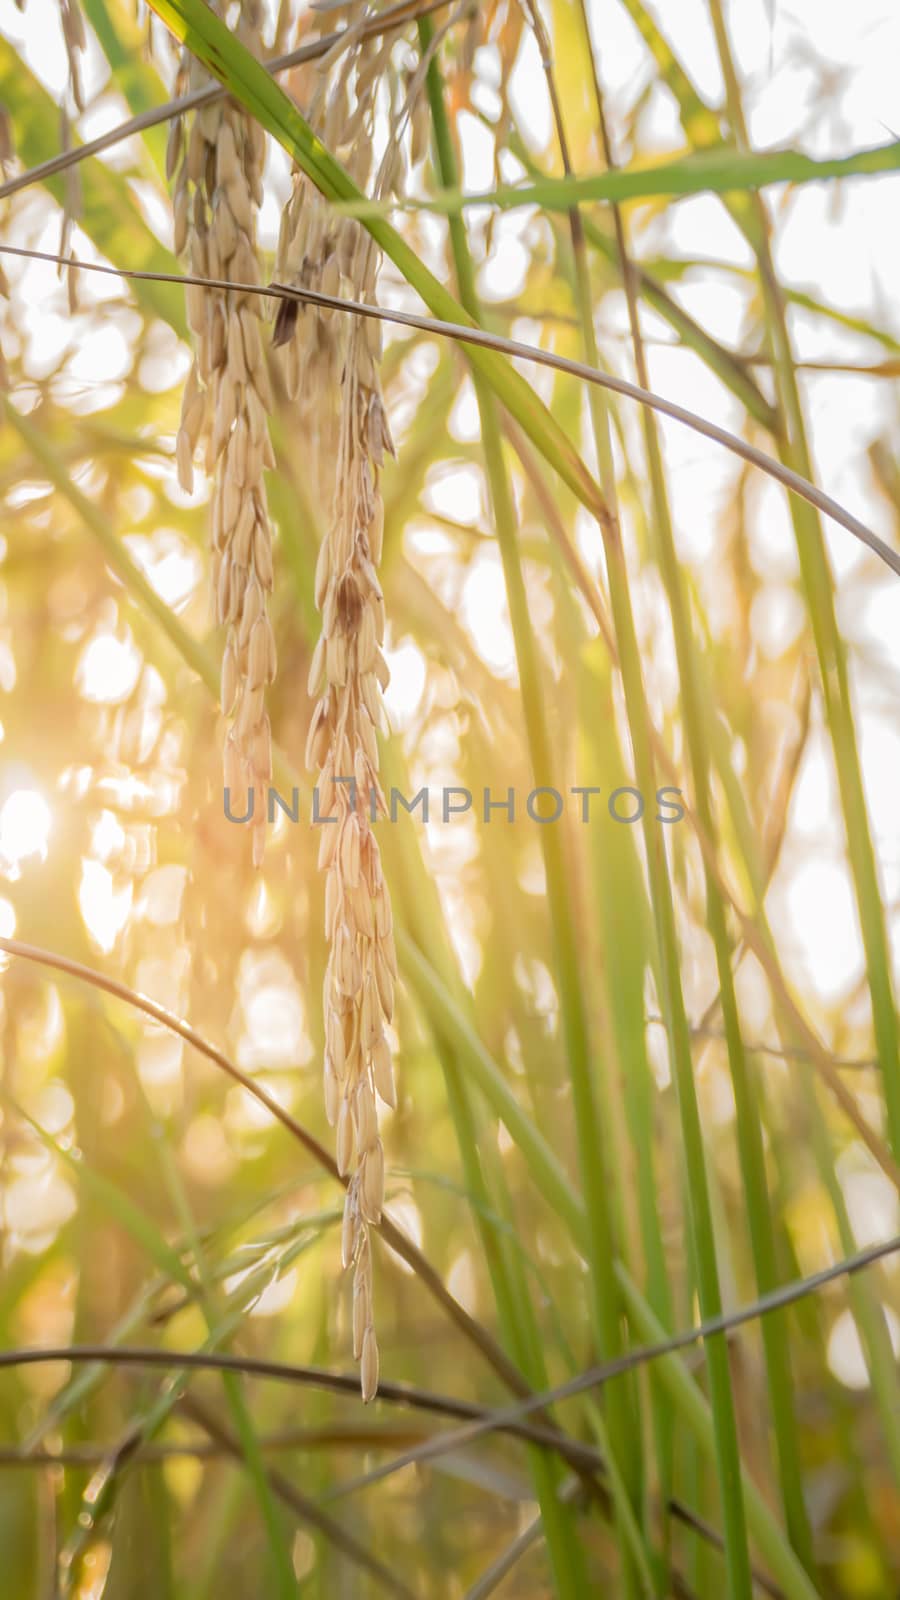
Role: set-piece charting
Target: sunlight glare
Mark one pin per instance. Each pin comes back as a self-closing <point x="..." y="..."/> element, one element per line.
<point x="104" y="908"/>
<point x="846" y="1356"/>
<point x="108" y="669"/>
<point x="403" y="693"/>
<point x="25" y="823"/>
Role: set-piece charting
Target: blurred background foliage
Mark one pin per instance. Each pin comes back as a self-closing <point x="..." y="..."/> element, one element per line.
<point x="147" y="1199"/>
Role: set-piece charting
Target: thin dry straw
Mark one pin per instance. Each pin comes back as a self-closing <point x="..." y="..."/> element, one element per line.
<point x="505" y="1418"/>
<point x="330" y="1436"/>
<point x="594" y="1377"/>
<point x="793" y="481"/>
<point x="846" y="1063"/>
<point x="396" y="18"/>
<point x="508" y="1558"/>
<point x="153" y="1357"/>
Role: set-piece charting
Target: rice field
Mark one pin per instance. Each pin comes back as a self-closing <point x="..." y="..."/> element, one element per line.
<point x="449" y="874"/>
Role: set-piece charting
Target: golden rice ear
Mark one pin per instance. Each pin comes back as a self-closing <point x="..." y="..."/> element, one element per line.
<point x="215" y="162"/>
<point x="326" y="356"/>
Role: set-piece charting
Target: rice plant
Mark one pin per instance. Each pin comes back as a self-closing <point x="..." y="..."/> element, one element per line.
<point x="450" y="1124"/>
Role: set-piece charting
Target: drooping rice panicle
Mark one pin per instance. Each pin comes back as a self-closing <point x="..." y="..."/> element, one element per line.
<point x="216" y="158"/>
<point x="348" y="674"/>
<point x="324" y="357"/>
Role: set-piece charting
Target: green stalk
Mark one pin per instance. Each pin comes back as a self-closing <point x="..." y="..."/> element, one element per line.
<point x="868" y="1311"/>
<point x="749" y="1128"/>
<point x="711" y="171"/>
<point x="695" y="1414"/>
<point x="626" y="933"/>
<point x="727" y="1447"/>
<point x="672" y="1000"/>
<point x="605" y="1296"/>
<point x="516" y="1312"/>
<point x="598" y="402"/>
<point x="454" y="1038"/>
<point x="819" y="587"/>
<point x="279" y="1549"/>
<point x="119" y="37"/>
<point x="505" y="1267"/>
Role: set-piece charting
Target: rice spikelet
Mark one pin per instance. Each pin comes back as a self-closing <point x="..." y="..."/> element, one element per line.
<point x="216" y="159"/>
<point x="326" y="355"/>
<point x="348" y="675"/>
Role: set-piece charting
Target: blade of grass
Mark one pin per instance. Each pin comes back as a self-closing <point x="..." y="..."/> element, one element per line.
<point x="606" y="1300"/>
<point x="731" y="368"/>
<point x="119" y="37"/>
<point x="115" y="1201"/>
<point x="675" y="269"/>
<point x="625" y="935"/>
<point x="868" y="1311"/>
<point x="248" y="1449"/>
<point x="746" y="1089"/>
<point x="819" y="587"/>
<point x="727" y="366"/>
<point x="140" y="1566"/>
<point x="724" y="171"/>
<point x="699" y="1205"/>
